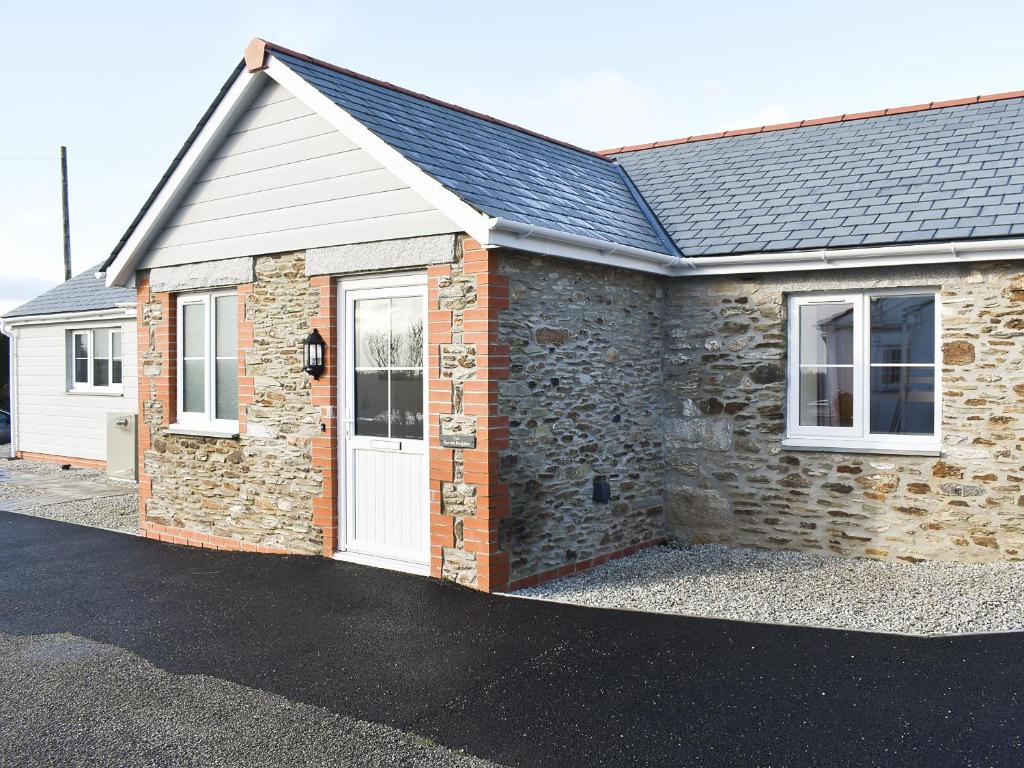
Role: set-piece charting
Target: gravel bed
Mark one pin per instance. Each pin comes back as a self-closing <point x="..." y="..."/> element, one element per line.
<point x="931" y="598"/>
<point x="50" y="468"/>
<point x="118" y="513"/>
<point x="67" y="701"/>
<point x="10" y="492"/>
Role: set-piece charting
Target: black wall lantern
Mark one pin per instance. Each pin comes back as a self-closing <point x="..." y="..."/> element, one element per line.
<point x="313" y="350"/>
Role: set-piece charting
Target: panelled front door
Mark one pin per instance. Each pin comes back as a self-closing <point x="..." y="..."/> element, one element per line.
<point x="384" y="499"/>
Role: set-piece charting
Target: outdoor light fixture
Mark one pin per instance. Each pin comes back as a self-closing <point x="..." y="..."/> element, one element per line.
<point x="313" y="349"/>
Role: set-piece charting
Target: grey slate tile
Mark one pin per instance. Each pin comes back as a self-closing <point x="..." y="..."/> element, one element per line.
<point x="495" y="168"/>
<point x="932" y="172"/>
<point x="81" y="293"/>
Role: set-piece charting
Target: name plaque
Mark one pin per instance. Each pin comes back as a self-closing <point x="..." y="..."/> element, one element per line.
<point x="458" y="441"/>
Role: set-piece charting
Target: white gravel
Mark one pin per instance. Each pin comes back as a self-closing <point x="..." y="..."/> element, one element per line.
<point x="118" y="512"/>
<point x="15" y="492"/>
<point x="716" y="581"/>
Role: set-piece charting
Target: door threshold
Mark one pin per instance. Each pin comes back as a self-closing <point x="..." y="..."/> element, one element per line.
<point x="380" y="561"/>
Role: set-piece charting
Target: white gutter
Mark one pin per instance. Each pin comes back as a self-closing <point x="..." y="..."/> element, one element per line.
<point x="115" y="313"/>
<point x="864" y="256"/>
<point x="529" y="237"/>
<point x="512" y="234"/>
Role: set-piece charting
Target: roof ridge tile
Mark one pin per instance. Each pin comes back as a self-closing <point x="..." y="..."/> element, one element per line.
<point x="815" y="121"/>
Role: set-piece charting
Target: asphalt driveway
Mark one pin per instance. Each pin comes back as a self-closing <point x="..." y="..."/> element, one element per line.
<point x="520" y="682"/>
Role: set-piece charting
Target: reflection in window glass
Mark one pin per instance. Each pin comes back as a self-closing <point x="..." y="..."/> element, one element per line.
<point x="903" y="329"/>
<point x="826" y="397"/>
<point x="115" y="357"/>
<point x="226" y="345"/>
<point x="902" y="400"/>
<point x="101" y="359"/>
<point x="826" y="334"/>
<point x="372" y="332"/>
<point x="81" y="349"/>
<point x="194" y="358"/>
<point x="407" y="333"/>
<point x="407" y="404"/>
<point x="388" y="379"/>
<point x="371" y="403"/>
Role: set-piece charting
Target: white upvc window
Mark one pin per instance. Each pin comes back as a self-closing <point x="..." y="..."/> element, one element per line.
<point x="95" y="360"/>
<point x="207" y="344"/>
<point x="863" y="371"/>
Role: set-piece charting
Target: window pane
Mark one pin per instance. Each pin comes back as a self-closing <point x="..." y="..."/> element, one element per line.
<point x="101" y="372"/>
<point x="115" y="372"/>
<point x="826" y="334"/>
<point x="407" y="332"/>
<point x="115" y="343"/>
<point x="81" y="345"/>
<point x="81" y="371"/>
<point x="193" y="323"/>
<point x="371" y="403"/>
<point x="371" y="333"/>
<point x="826" y="397"/>
<point x="227" y="389"/>
<point x="903" y="401"/>
<point x="227" y="327"/>
<point x="101" y="343"/>
<point x="194" y="386"/>
<point x="903" y="329"/>
<point x="407" y="404"/>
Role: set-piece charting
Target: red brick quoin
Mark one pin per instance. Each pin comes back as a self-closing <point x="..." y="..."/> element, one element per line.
<point x="466" y="547"/>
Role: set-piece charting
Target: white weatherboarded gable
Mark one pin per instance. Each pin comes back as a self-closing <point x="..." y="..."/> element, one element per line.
<point x="285" y="179"/>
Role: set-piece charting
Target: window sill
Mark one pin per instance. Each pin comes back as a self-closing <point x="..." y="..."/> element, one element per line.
<point x="923" y="448"/>
<point x="199" y="431"/>
<point x="96" y="392"/>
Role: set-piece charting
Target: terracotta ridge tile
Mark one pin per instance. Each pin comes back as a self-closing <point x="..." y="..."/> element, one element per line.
<point x="817" y="121"/>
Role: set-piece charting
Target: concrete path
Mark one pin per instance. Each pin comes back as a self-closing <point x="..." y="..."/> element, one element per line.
<point x="53" y="489"/>
<point x="521" y="683"/>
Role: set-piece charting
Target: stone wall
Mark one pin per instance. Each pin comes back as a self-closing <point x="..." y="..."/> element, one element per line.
<point x="583" y="401"/>
<point x="729" y="479"/>
<point x="257" y="489"/>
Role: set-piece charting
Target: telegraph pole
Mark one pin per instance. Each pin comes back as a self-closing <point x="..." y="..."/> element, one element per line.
<point x="64" y="206"/>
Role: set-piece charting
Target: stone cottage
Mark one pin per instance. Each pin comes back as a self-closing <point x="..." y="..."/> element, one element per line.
<point x="382" y="328"/>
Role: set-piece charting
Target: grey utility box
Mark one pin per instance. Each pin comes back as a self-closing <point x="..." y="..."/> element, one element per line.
<point x="122" y="445"/>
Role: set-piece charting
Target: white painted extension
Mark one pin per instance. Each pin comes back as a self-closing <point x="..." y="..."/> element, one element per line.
<point x="54" y="414"/>
<point x="384" y="503"/>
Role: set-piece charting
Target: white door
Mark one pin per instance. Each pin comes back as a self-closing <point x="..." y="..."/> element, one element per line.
<point x="385" y="506"/>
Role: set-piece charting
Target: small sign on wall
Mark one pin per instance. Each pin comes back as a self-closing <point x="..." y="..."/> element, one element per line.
<point x="458" y="441"/>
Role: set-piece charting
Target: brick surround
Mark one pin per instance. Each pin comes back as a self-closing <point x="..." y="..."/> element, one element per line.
<point x="466" y="362"/>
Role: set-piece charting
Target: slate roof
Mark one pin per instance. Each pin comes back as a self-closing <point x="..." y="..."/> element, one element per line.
<point x="81" y="293"/>
<point x="949" y="173"/>
<point x="499" y="169"/>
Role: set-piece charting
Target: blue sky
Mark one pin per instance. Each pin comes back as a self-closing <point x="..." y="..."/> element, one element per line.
<point x="122" y="83"/>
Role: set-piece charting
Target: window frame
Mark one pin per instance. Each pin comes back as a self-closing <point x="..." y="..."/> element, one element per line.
<point x="207" y="419"/>
<point x="859" y="437"/>
<point x="87" y="386"/>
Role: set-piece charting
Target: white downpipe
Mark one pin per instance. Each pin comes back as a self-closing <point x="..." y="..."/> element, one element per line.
<point x="12" y="387"/>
